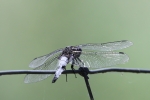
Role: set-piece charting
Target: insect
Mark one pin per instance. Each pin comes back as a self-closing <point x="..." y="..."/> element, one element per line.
<point x="91" y="55"/>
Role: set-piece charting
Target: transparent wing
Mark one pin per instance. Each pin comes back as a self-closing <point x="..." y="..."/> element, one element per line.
<point x="36" y="62"/>
<point x="96" y="60"/>
<point x="50" y="64"/>
<point x="110" y="46"/>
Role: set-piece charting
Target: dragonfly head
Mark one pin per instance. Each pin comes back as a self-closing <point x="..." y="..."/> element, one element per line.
<point x="72" y="51"/>
<point x="76" y="51"/>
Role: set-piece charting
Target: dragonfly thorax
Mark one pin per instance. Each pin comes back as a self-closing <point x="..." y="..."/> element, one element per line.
<point x="72" y="51"/>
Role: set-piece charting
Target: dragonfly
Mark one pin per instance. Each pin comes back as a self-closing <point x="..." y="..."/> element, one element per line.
<point x="90" y="55"/>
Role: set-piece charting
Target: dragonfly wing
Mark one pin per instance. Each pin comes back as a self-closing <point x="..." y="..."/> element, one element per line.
<point x="96" y="60"/>
<point x="50" y="64"/>
<point x="109" y="46"/>
<point x="36" y="62"/>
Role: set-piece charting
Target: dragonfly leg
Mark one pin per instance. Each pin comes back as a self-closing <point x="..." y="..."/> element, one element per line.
<point x="72" y="67"/>
<point x="66" y="74"/>
<point x="81" y="62"/>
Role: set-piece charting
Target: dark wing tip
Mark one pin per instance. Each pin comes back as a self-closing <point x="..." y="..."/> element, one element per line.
<point x="121" y="53"/>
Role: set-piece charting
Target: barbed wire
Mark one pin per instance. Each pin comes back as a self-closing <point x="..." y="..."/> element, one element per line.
<point x="102" y="70"/>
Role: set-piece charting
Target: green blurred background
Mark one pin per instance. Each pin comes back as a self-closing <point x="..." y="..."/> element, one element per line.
<point x="31" y="28"/>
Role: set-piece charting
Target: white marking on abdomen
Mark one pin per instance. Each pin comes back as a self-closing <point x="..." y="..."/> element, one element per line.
<point x="63" y="61"/>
